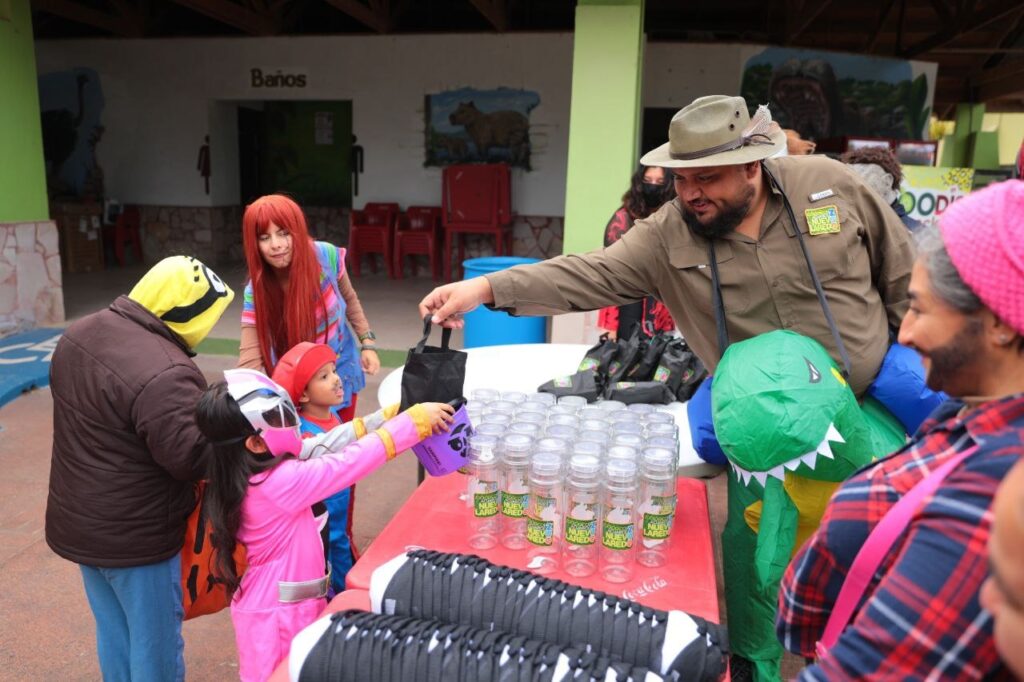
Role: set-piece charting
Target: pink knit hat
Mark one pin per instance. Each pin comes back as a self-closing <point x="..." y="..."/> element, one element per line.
<point x="984" y="236"/>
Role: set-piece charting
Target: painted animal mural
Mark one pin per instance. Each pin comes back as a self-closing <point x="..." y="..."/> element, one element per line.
<point x="495" y="130"/>
<point x="792" y="430"/>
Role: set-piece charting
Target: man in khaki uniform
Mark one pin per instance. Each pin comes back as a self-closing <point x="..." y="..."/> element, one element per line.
<point x="728" y="205"/>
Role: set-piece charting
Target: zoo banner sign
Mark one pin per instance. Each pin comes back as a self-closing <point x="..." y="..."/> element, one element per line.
<point x="479" y="126"/>
<point x="926" y="191"/>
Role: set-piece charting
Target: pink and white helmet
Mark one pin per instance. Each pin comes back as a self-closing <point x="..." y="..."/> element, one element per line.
<point x="268" y="408"/>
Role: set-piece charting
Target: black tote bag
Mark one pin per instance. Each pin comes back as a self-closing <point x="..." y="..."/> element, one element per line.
<point x="431" y="374"/>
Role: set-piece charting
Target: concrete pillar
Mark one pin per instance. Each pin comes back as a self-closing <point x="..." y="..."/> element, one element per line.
<point x="22" y="173"/>
<point x="604" y="125"/>
<point x="30" y="270"/>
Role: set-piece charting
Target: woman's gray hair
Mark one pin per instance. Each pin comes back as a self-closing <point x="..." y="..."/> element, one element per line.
<point x="945" y="279"/>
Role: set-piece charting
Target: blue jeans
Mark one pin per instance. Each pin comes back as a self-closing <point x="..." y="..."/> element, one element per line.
<point x="138" y="612"/>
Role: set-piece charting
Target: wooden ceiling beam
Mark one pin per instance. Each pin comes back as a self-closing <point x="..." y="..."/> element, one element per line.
<point x="966" y="21"/>
<point x="226" y="12"/>
<point x="883" y="16"/>
<point x="367" y="15"/>
<point x="808" y="18"/>
<point x="124" y="25"/>
<point x="495" y="11"/>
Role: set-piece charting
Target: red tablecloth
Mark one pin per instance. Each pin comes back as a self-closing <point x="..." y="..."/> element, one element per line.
<point x="435" y="518"/>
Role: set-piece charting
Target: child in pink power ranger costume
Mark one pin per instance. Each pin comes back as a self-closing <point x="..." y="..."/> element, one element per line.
<point x="263" y="479"/>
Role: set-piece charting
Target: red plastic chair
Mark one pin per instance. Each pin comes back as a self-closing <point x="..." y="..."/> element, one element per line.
<point x="419" y="234"/>
<point x="126" y="231"/>
<point x="476" y="200"/>
<point x="371" y="231"/>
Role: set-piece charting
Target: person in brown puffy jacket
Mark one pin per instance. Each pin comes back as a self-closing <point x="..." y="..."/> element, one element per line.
<point x="126" y="451"/>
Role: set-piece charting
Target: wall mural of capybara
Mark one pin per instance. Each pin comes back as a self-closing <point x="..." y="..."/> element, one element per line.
<point x="479" y="126"/>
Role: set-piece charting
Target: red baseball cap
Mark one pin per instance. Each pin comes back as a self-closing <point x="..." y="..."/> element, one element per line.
<point x="299" y="364"/>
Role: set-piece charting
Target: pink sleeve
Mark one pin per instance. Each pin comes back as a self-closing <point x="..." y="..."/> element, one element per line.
<point x="296" y="484"/>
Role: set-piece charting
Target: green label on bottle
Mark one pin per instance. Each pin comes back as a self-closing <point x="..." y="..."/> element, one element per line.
<point x="657" y="526"/>
<point x="617" y="535"/>
<point x="580" y="531"/>
<point x="485" y="504"/>
<point x="514" y="505"/>
<point x="540" y="526"/>
<point x="540" y="532"/>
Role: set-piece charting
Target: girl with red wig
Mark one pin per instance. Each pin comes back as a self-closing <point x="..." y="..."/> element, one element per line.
<point x="299" y="290"/>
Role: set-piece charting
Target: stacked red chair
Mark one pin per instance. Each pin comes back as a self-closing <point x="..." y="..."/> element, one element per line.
<point x="419" y="234"/>
<point x="476" y="199"/>
<point x="371" y="231"/>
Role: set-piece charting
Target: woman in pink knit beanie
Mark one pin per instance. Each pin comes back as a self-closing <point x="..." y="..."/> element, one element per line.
<point x="920" y="615"/>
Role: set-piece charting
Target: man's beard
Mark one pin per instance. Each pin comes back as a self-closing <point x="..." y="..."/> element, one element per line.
<point x="730" y="215"/>
<point x="952" y="366"/>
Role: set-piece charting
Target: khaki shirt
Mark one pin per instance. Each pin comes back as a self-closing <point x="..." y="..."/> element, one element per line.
<point x="864" y="269"/>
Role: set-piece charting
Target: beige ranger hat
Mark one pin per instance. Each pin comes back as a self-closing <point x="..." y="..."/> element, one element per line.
<point x="717" y="131"/>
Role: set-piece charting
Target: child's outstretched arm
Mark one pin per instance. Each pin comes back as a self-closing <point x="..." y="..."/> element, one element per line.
<point x="301" y="483"/>
<point x="346" y="434"/>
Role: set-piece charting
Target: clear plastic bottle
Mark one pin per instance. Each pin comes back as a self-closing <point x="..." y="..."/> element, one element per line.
<point x="514" y="479"/>
<point x="633" y="426"/>
<point x="618" y="521"/>
<point x="667" y="429"/>
<point x="491" y="429"/>
<point x="544" y="512"/>
<point x="534" y="417"/>
<point x="484" y="394"/>
<point x="588" y="447"/>
<point x="495" y="418"/>
<point x="636" y="408"/>
<point x="552" y="444"/>
<point x="532" y="406"/>
<point x="513" y="396"/>
<point x="657" y="505"/>
<point x="502" y="406"/>
<point x="546" y="398"/>
<point x="622" y="452"/>
<point x="564" y="420"/>
<point x="659" y="418"/>
<point x="601" y="437"/>
<point x="593" y="425"/>
<point x="592" y="412"/>
<point x="633" y="440"/>
<point x="531" y="429"/>
<point x="561" y="431"/>
<point x="574" y="401"/>
<point x="611" y="405"/>
<point x="483" y="496"/>
<point x="582" y="509"/>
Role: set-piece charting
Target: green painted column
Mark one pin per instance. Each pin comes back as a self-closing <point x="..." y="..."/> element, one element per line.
<point x="604" y="116"/>
<point x="22" y="170"/>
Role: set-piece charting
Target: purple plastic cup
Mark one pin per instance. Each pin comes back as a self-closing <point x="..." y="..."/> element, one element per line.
<point x="443" y="453"/>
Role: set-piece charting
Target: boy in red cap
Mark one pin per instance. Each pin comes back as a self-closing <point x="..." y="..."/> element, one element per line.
<point x="309" y="374"/>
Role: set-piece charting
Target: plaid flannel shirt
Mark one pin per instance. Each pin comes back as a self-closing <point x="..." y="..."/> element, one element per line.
<point x="919" y="617"/>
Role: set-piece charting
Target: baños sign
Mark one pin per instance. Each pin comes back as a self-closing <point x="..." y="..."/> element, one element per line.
<point x="260" y="78"/>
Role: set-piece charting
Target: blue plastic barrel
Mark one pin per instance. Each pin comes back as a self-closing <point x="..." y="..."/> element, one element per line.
<point x="485" y="327"/>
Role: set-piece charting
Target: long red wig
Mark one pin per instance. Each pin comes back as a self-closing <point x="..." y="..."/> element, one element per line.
<point x="282" y="320"/>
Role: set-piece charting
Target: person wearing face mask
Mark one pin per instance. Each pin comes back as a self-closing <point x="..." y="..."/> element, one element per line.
<point x="649" y="188"/>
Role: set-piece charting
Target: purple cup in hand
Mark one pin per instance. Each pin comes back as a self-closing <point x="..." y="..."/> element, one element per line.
<point x="443" y="453"/>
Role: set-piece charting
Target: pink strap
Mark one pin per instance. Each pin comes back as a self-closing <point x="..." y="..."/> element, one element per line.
<point x="875" y="548"/>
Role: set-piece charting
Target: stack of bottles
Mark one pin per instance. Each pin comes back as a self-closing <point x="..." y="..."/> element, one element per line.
<point x="579" y="487"/>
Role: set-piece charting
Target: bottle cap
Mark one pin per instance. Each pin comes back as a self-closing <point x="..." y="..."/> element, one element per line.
<point x="545" y="464"/>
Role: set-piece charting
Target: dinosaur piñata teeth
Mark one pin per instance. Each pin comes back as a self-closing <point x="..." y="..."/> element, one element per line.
<point x="808" y="458"/>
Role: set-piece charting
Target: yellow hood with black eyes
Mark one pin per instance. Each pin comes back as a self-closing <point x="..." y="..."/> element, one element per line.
<point x="185" y="294"/>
